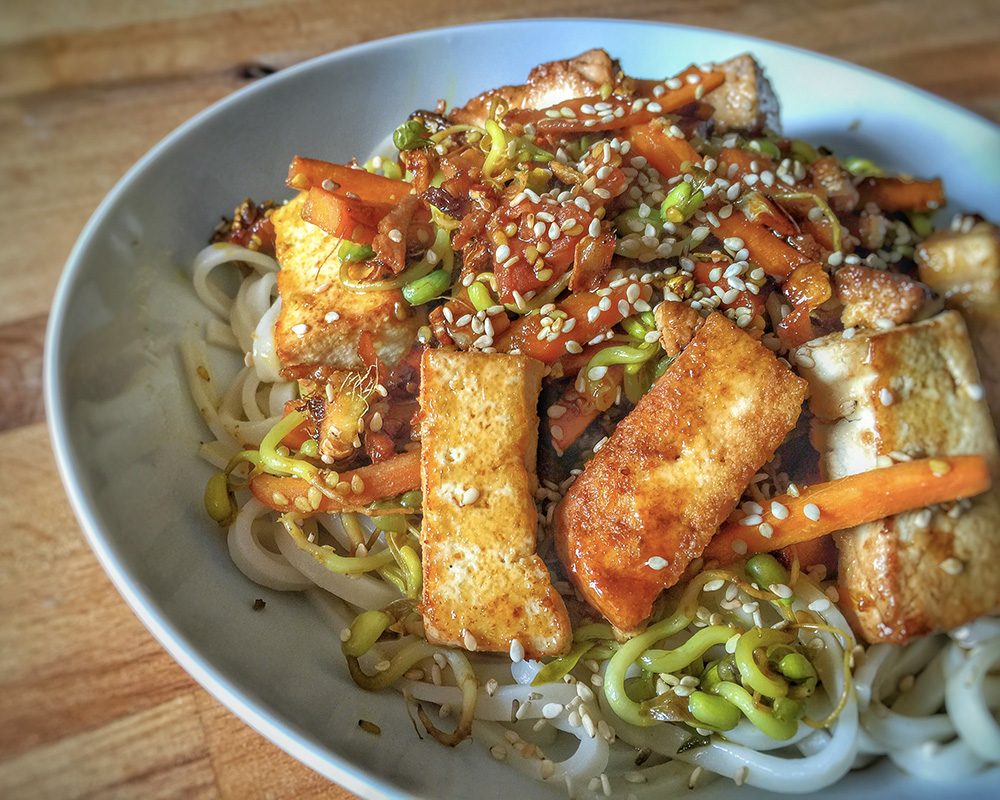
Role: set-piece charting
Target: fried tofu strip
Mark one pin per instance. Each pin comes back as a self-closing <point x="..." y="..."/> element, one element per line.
<point x="965" y="269"/>
<point x="484" y="586"/>
<point x="321" y="321"/>
<point x="674" y="469"/>
<point x="745" y="101"/>
<point x="912" y="391"/>
<point x="547" y="85"/>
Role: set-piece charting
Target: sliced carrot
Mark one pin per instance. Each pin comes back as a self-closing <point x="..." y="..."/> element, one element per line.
<point x="744" y="160"/>
<point x="387" y="479"/>
<point x="523" y="332"/>
<point x="777" y="257"/>
<point x="296" y="437"/>
<point x="665" y="153"/>
<point x="896" y="194"/>
<point x="580" y="410"/>
<point x="345" y="181"/>
<point x="343" y="218"/>
<point x="594" y="114"/>
<point x="854" y="500"/>
<point x="822" y="550"/>
<point x="591" y="261"/>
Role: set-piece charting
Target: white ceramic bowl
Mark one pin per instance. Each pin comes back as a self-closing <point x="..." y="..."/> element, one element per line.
<point x="125" y="431"/>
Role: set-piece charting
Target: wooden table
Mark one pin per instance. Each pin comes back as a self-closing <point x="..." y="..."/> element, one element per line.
<point x="89" y="703"/>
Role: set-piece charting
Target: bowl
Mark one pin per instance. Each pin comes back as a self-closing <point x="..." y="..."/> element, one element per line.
<point x="126" y="433"/>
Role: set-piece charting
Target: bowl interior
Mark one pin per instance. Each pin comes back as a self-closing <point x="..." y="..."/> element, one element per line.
<point x="126" y="432"/>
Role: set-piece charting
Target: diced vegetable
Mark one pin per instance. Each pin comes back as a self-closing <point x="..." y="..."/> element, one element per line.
<point x="342" y="218"/>
<point x="854" y="500"/>
<point x="355" y="490"/>
<point x="664" y="152"/>
<point x="577" y="410"/>
<point x="345" y="181"/>
<point x="523" y="333"/>
<point x="777" y="257"/>
<point x="896" y="194"/>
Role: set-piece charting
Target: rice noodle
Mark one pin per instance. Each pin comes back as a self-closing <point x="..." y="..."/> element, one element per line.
<point x="927" y="705"/>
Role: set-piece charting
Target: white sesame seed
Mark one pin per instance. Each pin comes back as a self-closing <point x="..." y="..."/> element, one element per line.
<point x="573" y="347"/>
<point x="952" y="566"/>
<point x="300" y="329"/>
<point x="732" y="642"/>
<point x="975" y="391"/>
<point x="657" y="563"/>
<point x="781" y="590"/>
<point x="739" y="547"/>
<point x="765" y="530"/>
<point x="470" y="496"/>
<point x="752" y="519"/>
<point x="597" y="373"/>
<point x="778" y="511"/>
<point x="811" y="511"/>
<point x="820" y="605"/>
<point x="604" y="304"/>
<point x="469" y="641"/>
<point x="503" y="253"/>
<point x="331" y="316"/>
<point x="395" y="235"/>
<point x="551" y="710"/>
<point x="885" y="397"/>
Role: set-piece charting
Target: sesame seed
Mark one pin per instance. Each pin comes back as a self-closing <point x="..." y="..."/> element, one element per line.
<point x="503" y="253"/>
<point x="395" y="235"/>
<point x="573" y="347"/>
<point x="739" y="547"/>
<point x="765" y="530"/>
<point x="597" y="373"/>
<point x="657" y="563"/>
<point x="820" y="605"/>
<point x="753" y="519"/>
<point x="470" y="496"/>
<point x="781" y="590"/>
<point x="811" y="510"/>
<point x="885" y="396"/>
<point x="778" y="511"/>
<point x="469" y="641"/>
<point x="300" y="329"/>
<point x="552" y="710"/>
<point x="516" y="651"/>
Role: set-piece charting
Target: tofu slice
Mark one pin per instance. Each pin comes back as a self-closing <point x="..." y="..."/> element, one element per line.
<point x="653" y="496"/>
<point x="321" y="322"/>
<point x="483" y="581"/>
<point x="909" y="390"/>
<point x="548" y="84"/>
<point x="965" y="269"/>
<point x="746" y="101"/>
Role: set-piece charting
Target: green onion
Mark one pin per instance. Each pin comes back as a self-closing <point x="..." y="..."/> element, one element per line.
<point x="681" y="203"/>
<point x="425" y="289"/>
<point x="765" y="147"/>
<point x="412" y="499"/>
<point x="480" y="296"/>
<point x="554" y="671"/>
<point x="410" y="135"/>
<point x="219" y="500"/>
<point x="921" y="223"/>
<point x="351" y="253"/>
<point x="714" y="712"/>
<point x="862" y="167"/>
<point x="803" y="151"/>
<point x="442" y="249"/>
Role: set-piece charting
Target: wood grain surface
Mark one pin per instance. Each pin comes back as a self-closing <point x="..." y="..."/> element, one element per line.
<point x="90" y="705"/>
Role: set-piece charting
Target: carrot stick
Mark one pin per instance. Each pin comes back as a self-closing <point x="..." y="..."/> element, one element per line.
<point x="816" y="551"/>
<point x="381" y="481"/>
<point x="743" y="159"/>
<point x="304" y="173"/>
<point x="343" y="218"/>
<point x="523" y="333"/>
<point x="580" y="410"/>
<point x="664" y="152"/>
<point x="896" y="194"/>
<point x="854" y="500"/>
<point x="777" y="257"/>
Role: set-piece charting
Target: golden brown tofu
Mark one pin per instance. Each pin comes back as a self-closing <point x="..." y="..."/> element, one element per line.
<point x="484" y="586"/>
<point x="674" y="469"/>
<point x="321" y="321"/>
<point x="547" y="85"/>
<point x="676" y="323"/>
<point x="746" y="101"/>
<point x="965" y="269"/>
<point x="874" y="298"/>
<point x="910" y="391"/>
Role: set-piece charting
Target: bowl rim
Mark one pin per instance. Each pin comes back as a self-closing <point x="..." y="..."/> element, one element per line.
<point x="353" y="776"/>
